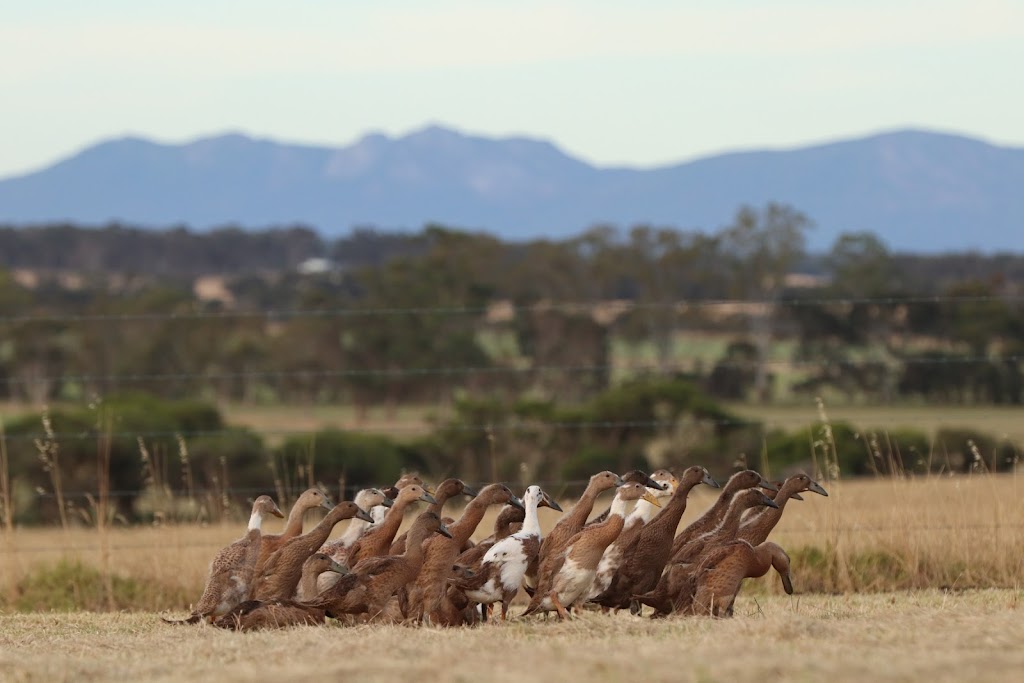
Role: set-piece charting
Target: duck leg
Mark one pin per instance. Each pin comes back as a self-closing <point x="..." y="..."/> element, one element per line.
<point x="562" y="613"/>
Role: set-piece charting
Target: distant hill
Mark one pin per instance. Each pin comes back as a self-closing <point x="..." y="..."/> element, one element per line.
<point x="919" y="191"/>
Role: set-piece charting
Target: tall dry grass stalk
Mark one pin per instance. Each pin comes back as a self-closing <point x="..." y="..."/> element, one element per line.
<point x="7" y="508"/>
<point x="101" y="504"/>
<point x="49" y="455"/>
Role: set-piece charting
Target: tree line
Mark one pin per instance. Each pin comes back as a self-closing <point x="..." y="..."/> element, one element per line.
<point x="426" y="317"/>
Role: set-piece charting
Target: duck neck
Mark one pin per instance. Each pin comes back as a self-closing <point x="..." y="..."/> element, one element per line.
<point x="441" y="496"/>
<point x="642" y="513"/>
<point x="355" y="529"/>
<point x="293" y="527"/>
<point x="531" y="523"/>
<point x="673" y="510"/>
<point x="255" y="521"/>
<point x="307" y="584"/>
<point x="393" y="520"/>
<point x="731" y="522"/>
<point x="414" y="544"/>
<point x="468" y="522"/>
<point x="762" y="523"/>
<point x="577" y="517"/>
<point x="619" y="507"/>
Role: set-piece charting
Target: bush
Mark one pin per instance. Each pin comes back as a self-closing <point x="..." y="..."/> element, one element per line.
<point x="362" y="459"/>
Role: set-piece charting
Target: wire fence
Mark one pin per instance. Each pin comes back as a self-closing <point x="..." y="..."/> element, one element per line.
<point x="563" y="307"/>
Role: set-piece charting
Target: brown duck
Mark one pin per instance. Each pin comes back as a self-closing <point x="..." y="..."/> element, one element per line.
<point x="721" y="573"/>
<point x="674" y="591"/>
<point x="254" y="615"/>
<point x="369" y="500"/>
<point x="373" y="581"/>
<point x="231" y="572"/>
<point x="377" y="541"/>
<point x="283" y="569"/>
<point x="640" y="571"/>
<point x="446" y="490"/>
<point x="755" y="528"/>
<point x="427" y="594"/>
<point x="309" y="500"/>
<point x="574" y="572"/>
<point x="712" y="517"/>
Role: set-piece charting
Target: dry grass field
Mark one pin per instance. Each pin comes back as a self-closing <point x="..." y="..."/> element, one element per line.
<point x="897" y="580"/>
<point x="909" y="636"/>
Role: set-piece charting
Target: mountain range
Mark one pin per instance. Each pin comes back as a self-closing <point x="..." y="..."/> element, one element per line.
<point x="919" y="191"/>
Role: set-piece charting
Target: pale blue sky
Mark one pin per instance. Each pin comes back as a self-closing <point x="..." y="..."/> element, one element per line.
<point x="639" y="83"/>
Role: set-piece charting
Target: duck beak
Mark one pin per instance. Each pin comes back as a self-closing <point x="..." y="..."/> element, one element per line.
<point x="769" y="502"/>
<point x="515" y="502"/>
<point x="787" y="584"/>
<point x="364" y="515"/>
<point x="797" y="496"/>
<point x="815" y="487"/>
<point x="619" y="481"/>
<point x="387" y="502"/>
<point x="656" y="485"/>
<point x="427" y="498"/>
<point x="276" y="511"/>
<point x="710" y="481"/>
<point x="428" y="489"/>
<point x="338" y="568"/>
<point x="327" y="504"/>
<point x="467" y="491"/>
<point x="649" y="497"/>
<point x="768" y="486"/>
<point x="443" y="530"/>
<point x="548" y="501"/>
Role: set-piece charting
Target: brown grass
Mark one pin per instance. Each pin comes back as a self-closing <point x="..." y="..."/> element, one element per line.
<point x="926" y="635"/>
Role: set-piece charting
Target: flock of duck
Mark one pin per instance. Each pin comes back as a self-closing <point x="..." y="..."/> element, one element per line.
<point x="630" y="556"/>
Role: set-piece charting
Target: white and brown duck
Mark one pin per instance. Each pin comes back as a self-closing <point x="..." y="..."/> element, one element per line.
<point x="642" y="513"/>
<point x="573" y="573"/>
<point x="568" y="526"/>
<point x="503" y="566"/>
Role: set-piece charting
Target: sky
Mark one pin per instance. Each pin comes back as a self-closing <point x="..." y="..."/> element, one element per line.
<point x="639" y="83"/>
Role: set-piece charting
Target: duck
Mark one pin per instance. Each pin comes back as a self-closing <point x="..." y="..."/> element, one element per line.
<point x="426" y="595"/>
<point x="254" y="615"/>
<point x="368" y="499"/>
<point x="283" y="569"/>
<point x="712" y="517"/>
<point x="642" y="513"/>
<point x="372" y="582"/>
<point x="641" y="569"/>
<point x="504" y="564"/>
<point x="377" y="541"/>
<point x="310" y="499"/>
<point x="638" y="476"/>
<point x="568" y="526"/>
<point x="721" y="574"/>
<point x="445" y="491"/>
<point x="756" y="528"/>
<point x="674" y="591"/>
<point x="509" y="521"/>
<point x="574" y="571"/>
<point x="231" y="572"/>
